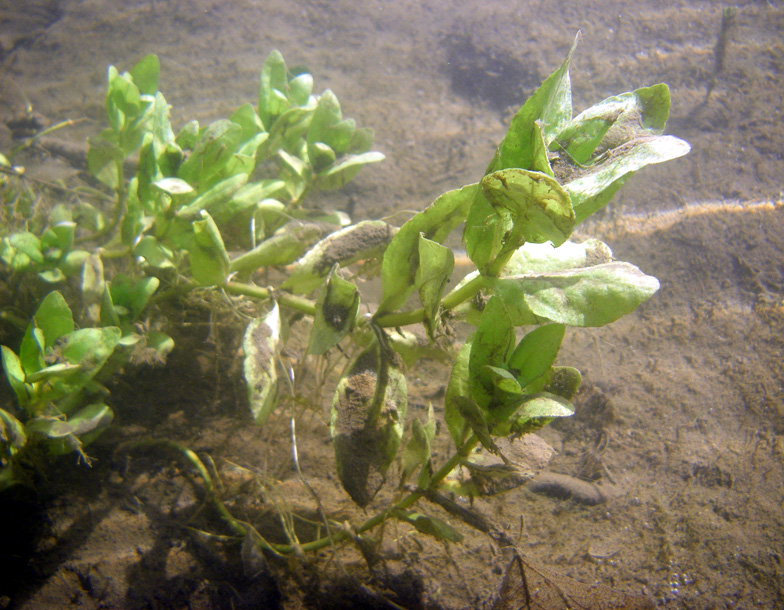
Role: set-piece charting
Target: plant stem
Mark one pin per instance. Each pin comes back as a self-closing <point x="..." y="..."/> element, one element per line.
<point x="284" y="298"/>
<point x="7" y="316"/>
<point x="450" y="301"/>
<point x="390" y="320"/>
<point x="402" y="504"/>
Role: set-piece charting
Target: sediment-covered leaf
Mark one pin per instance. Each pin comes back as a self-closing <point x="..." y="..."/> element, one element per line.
<point x="364" y="240"/>
<point x="368" y="413"/>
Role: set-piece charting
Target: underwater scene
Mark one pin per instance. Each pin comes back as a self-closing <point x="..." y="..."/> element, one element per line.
<point x="391" y="305"/>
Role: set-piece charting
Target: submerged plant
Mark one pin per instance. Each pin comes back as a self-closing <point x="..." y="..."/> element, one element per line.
<point x="208" y="208"/>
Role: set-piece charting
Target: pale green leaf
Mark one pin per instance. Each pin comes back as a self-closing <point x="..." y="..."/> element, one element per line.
<point x="436" y="263"/>
<point x="261" y="344"/>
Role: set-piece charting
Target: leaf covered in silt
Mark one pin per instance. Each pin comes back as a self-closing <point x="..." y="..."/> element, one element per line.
<point x="368" y="413"/>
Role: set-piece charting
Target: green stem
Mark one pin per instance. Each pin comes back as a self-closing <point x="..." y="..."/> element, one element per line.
<point x="156" y="443"/>
<point x="450" y="301"/>
<point x="7" y="316"/>
<point x="284" y="298"/>
<point x="241" y="529"/>
<point x="402" y="504"/>
<point x="390" y="320"/>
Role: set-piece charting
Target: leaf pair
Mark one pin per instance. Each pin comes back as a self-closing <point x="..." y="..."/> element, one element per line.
<point x="551" y="171"/>
<point x="496" y="387"/>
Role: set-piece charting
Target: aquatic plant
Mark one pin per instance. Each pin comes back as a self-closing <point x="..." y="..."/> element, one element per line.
<point x="243" y="181"/>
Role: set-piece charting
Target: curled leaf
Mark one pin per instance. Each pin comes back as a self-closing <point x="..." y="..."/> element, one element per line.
<point x="336" y="312"/>
<point x="260" y="344"/>
<point x="540" y="208"/>
<point x="368" y="413"/>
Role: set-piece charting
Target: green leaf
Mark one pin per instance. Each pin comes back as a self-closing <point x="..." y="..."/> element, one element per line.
<point x="504" y="383"/>
<point x="61" y="369"/>
<point x="300" y="89"/>
<point x="326" y="115"/>
<point x="147" y="170"/>
<point x="484" y="231"/>
<point x="133" y="294"/>
<point x="287" y="130"/>
<point x="93" y="288"/>
<point x="145" y="74"/>
<point x="167" y="153"/>
<point x="417" y="452"/>
<point x="594" y="188"/>
<point x="71" y="435"/>
<point x="12" y="437"/>
<point x="245" y="116"/>
<point x="430" y="526"/>
<point x="207" y="253"/>
<point x="215" y="198"/>
<point x="31" y="351"/>
<point x="54" y="318"/>
<point x="536" y="353"/>
<point x="261" y="344"/>
<point x="543" y="258"/>
<point x="109" y="314"/>
<point x="549" y="108"/>
<point x="162" y="343"/>
<point x="58" y="237"/>
<point x="591" y="296"/>
<point x="365" y="240"/>
<point x="274" y="80"/>
<point x="540" y="209"/>
<point x="401" y="259"/>
<point x="105" y="158"/>
<point x="212" y="152"/>
<point x="188" y="136"/>
<point x="90" y="347"/>
<point x="28" y="244"/>
<point x="173" y="186"/>
<point x="477" y="421"/>
<point x="344" y="169"/>
<point x="12" y="366"/>
<point x="252" y="195"/>
<point x="492" y="345"/>
<point x="368" y="414"/>
<point x="628" y="114"/>
<point x="320" y="156"/>
<point x="538" y="410"/>
<point x="336" y="313"/>
<point x="280" y="249"/>
<point x="156" y="254"/>
<point x="123" y="100"/>
<point x="436" y="263"/>
<point x="458" y="386"/>
<point x="90" y="419"/>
